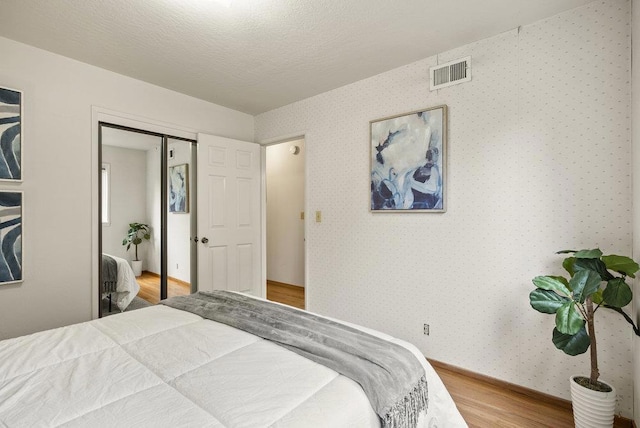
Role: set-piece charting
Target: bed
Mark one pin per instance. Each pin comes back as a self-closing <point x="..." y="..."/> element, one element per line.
<point x="119" y="281"/>
<point x="160" y="366"/>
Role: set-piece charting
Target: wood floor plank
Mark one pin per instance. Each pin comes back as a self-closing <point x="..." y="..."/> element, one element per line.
<point x="485" y="405"/>
<point x="278" y="292"/>
<point x="493" y="403"/>
<point x="288" y="294"/>
<point x="150" y="287"/>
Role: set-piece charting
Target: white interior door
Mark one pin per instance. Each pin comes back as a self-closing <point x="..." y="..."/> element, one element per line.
<point x="229" y="215"/>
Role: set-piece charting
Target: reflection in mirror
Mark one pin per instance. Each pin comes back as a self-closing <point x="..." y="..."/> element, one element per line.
<point x="130" y="204"/>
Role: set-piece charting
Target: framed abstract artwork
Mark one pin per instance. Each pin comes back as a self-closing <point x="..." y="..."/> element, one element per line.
<point x="11" y="118"/>
<point x="11" y="206"/>
<point x="179" y="188"/>
<point x="408" y="161"/>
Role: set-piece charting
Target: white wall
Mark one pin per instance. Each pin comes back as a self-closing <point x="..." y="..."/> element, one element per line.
<point x="59" y="169"/>
<point x="179" y="224"/>
<point x="635" y="83"/>
<point x="539" y="161"/>
<point x="285" y="202"/>
<point x="127" y="198"/>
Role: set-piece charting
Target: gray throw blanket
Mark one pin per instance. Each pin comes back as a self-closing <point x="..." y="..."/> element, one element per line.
<point x="390" y="375"/>
<point x="109" y="274"/>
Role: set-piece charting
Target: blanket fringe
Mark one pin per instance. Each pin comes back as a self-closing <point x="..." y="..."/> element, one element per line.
<point x="406" y="412"/>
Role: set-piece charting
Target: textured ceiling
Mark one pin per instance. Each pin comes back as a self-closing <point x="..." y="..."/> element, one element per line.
<point x="256" y="55"/>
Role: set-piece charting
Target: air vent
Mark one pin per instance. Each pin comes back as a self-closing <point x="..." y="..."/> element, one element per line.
<point x="451" y="73"/>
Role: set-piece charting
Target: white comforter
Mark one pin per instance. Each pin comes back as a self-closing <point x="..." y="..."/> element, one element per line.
<point x="161" y="367"/>
<point x="126" y="286"/>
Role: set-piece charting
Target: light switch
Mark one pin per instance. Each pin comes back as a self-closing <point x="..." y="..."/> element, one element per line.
<point x="318" y="216"/>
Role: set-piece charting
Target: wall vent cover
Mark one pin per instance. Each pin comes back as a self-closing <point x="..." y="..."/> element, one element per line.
<point x="451" y="73"/>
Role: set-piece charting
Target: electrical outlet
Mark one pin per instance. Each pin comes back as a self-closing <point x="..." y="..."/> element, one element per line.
<point x="426" y="329"/>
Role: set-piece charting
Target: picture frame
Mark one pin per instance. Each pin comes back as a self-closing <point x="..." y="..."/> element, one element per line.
<point x="11" y="242"/>
<point x="408" y="162"/>
<point x="11" y="130"/>
<point x="179" y="188"/>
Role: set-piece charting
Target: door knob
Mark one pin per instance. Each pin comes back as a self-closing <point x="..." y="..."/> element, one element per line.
<point x="204" y="240"/>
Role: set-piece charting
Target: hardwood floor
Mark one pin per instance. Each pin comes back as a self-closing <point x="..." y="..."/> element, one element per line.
<point x="485" y="402"/>
<point x="291" y="295"/>
<point x="150" y="287"/>
<point x="276" y="291"/>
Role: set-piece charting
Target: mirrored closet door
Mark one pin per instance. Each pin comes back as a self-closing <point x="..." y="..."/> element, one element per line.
<point x="181" y="216"/>
<point x="148" y="215"/>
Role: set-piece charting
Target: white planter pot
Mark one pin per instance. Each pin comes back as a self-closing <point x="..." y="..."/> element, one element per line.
<point x="592" y="409"/>
<point x="136" y="265"/>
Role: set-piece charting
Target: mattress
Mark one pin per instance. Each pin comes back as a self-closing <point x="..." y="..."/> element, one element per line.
<point x="160" y="366"/>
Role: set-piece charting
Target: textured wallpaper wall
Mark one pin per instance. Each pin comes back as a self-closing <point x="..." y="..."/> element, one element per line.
<point x="635" y="108"/>
<point x="539" y="160"/>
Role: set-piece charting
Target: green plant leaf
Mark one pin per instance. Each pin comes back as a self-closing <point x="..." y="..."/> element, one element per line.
<point x="584" y="283"/>
<point x="595" y="265"/>
<point x="617" y="293"/>
<point x="572" y="344"/>
<point x="568" y="265"/>
<point x="597" y="297"/>
<point x="545" y="301"/>
<point x="568" y="319"/>
<point x="588" y="254"/>
<point x="621" y="264"/>
<point x="551" y="283"/>
<point x="562" y="279"/>
<point x="134" y="235"/>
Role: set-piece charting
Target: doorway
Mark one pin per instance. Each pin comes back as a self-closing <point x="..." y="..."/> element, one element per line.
<point x="148" y="214"/>
<point x="285" y="222"/>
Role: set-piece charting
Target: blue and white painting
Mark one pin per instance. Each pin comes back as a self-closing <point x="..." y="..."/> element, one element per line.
<point x="10" y="134"/>
<point x="179" y="188"/>
<point x="10" y="237"/>
<point x="407" y="161"/>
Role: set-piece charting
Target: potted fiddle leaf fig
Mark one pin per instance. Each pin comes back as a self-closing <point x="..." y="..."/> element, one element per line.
<point x="596" y="281"/>
<point x="136" y="233"/>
